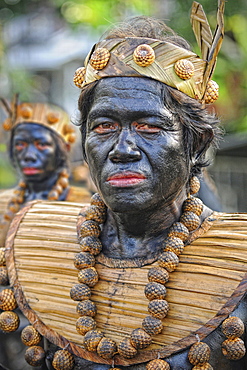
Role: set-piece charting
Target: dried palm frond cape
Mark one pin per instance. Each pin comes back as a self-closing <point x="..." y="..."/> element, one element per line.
<point x="40" y="250"/>
<point x="163" y="61"/>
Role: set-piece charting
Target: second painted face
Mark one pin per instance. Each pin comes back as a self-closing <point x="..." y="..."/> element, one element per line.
<point x="34" y="151"/>
<point x="134" y="146"/>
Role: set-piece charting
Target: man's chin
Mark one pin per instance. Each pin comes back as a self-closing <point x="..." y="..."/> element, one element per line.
<point x="34" y="177"/>
<point x="127" y="202"/>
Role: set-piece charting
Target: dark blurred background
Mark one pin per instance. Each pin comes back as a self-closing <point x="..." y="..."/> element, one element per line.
<point x="43" y="42"/>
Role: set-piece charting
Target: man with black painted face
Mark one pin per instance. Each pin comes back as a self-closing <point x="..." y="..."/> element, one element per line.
<point x="36" y="154"/>
<point x="41" y="136"/>
<point x="145" y="134"/>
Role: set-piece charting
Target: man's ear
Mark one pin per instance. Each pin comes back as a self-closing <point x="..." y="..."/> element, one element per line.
<point x="202" y="144"/>
<point x="84" y="156"/>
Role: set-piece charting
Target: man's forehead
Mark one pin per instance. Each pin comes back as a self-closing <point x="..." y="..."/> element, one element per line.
<point x="121" y="91"/>
<point x="129" y="95"/>
<point x="119" y="85"/>
<point x="32" y="130"/>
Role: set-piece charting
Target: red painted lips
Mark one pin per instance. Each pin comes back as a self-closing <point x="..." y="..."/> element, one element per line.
<point x="31" y="171"/>
<point x="123" y="179"/>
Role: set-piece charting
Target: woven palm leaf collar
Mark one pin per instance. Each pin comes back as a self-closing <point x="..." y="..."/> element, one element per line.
<point x="160" y="60"/>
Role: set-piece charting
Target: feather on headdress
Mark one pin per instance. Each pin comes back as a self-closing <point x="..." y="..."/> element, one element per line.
<point x="209" y="44"/>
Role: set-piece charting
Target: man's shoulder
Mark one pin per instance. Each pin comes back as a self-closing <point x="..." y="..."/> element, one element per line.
<point x="5" y="196"/>
<point x="231" y="221"/>
<point x="222" y="225"/>
<point x="78" y="195"/>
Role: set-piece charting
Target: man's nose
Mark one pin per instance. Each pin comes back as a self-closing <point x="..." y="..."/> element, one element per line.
<point x="125" y="149"/>
<point x="29" y="155"/>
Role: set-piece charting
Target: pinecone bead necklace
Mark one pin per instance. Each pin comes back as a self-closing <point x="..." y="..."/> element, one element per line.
<point x="9" y="320"/>
<point x="155" y="290"/>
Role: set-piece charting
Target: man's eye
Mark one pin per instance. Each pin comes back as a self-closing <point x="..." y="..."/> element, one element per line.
<point x="144" y="127"/>
<point x="41" y="145"/>
<point x="19" y="145"/>
<point x="105" y="127"/>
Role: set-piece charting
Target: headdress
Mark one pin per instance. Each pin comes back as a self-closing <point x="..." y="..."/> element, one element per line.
<point x="161" y="60"/>
<point x="44" y="114"/>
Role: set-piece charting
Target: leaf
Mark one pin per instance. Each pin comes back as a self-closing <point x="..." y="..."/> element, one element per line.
<point x="201" y="29"/>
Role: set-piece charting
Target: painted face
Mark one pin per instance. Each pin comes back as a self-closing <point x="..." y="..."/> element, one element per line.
<point x="34" y="151"/>
<point x="134" y="146"/>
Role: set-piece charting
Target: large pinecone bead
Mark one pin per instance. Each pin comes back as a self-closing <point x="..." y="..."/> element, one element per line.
<point x="204" y="366"/>
<point x="7" y="300"/>
<point x="190" y="220"/>
<point x="199" y="353"/>
<point x="158" y="274"/>
<point x="90" y="228"/>
<point x="95" y="213"/>
<point x="178" y="230"/>
<point x="9" y="321"/>
<point x="158" y="308"/>
<point x="126" y="349"/>
<point x="211" y="92"/>
<point x="30" y="336"/>
<point x="83" y="260"/>
<point x="79" y="77"/>
<point x="168" y="260"/>
<point x="184" y="69"/>
<point x="97" y="201"/>
<point x="193" y="204"/>
<point x="107" y="348"/>
<point x="88" y="276"/>
<point x="140" y="339"/>
<point x="2" y="257"/>
<point x="174" y="245"/>
<point x="63" y="360"/>
<point x="92" y="339"/>
<point x="99" y="58"/>
<point x="86" y="308"/>
<point x="91" y="244"/>
<point x="4" y="280"/>
<point x="144" y="55"/>
<point x="194" y="185"/>
<point x="152" y="325"/>
<point x="85" y="324"/>
<point x="35" y="356"/>
<point x="80" y="292"/>
<point x="233" y="327"/>
<point x="7" y="124"/>
<point x="14" y="207"/>
<point x="155" y="291"/>
<point x="63" y="181"/>
<point x="158" y="364"/>
<point x="233" y="349"/>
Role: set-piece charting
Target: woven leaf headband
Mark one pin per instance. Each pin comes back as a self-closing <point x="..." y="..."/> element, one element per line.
<point x="48" y="115"/>
<point x="163" y="61"/>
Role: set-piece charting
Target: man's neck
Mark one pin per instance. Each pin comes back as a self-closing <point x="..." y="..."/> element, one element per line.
<point x="40" y="190"/>
<point x="140" y="234"/>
